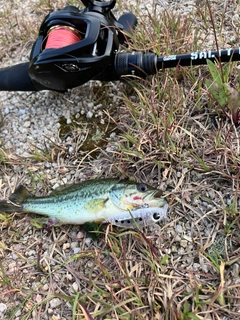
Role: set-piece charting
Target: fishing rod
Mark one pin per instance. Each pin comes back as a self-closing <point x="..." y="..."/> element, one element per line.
<point x="75" y="46"/>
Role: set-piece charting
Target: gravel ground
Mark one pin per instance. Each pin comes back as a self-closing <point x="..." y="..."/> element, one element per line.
<point x="31" y="121"/>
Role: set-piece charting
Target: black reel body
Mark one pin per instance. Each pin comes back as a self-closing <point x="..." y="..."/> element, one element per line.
<point x="97" y="35"/>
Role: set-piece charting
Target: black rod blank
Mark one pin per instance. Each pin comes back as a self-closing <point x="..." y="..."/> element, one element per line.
<point x="197" y="58"/>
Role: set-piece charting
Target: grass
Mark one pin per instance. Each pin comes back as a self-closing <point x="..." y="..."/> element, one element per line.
<point x="169" y="131"/>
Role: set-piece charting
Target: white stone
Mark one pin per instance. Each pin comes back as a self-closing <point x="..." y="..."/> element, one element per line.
<point x="55" y="302"/>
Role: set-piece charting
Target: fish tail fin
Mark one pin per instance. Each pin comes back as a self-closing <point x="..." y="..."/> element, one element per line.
<point x="8" y="207"/>
<point x="14" y="204"/>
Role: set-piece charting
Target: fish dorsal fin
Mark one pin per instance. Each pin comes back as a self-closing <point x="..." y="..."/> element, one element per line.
<point x="60" y="189"/>
<point x="19" y="195"/>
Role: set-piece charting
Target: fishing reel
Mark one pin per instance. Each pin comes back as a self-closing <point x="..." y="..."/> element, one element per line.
<point x="75" y="46"/>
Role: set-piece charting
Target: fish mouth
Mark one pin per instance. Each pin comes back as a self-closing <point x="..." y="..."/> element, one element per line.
<point x="156" y="194"/>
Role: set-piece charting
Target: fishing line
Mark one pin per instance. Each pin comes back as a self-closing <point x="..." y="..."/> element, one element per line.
<point x="62" y="36"/>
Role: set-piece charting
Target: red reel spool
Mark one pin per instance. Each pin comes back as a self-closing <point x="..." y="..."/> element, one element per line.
<point x="62" y="36"/>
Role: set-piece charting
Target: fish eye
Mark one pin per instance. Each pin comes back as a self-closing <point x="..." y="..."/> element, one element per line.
<point x="156" y="216"/>
<point x="142" y="187"/>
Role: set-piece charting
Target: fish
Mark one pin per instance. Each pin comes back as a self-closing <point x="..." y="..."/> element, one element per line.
<point x="99" y="201"/>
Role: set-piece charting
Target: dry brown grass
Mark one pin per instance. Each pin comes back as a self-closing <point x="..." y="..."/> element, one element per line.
<point x="169" y="134"/>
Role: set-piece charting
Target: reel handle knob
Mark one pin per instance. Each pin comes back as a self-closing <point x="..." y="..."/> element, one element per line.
<point x="128" y="21"/>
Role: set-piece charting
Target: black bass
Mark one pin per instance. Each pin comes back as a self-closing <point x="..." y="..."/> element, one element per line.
<point x="97" y="201"/>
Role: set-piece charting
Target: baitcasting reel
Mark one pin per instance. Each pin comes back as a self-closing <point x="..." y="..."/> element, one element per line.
<point x="75" y="46"/>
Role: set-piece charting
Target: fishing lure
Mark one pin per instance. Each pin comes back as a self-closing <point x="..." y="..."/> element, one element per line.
<point x="142" y="217"/>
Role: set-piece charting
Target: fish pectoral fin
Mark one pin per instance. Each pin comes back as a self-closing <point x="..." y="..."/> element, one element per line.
<point x="95" y="205"/>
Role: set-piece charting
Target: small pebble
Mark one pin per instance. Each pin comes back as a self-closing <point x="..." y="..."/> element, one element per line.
<point x="66" y="246"/>
<point x="183" y="243"/>
<point x="27" y="124"/>
<point x="76" y="250"/>
<point x="74" y="244"/>
<point x="75" y="286"/>
<point x="3" y="307"/>
<point x="70" y="149"/>
<point x="174" y="248"/>
<point x="179" y="174"/>
<point x="50" y="311"/>
<point x="6" y="110"/>
<point x="211" y="194"/>
<point x="80" y="235"/>
<point x="181" y="251"/>
<point x="236" y="270"/>
<point x="89" y="114"/>
<point x="38" y="298"/>
<point x="22" y="111"/>
<point x="55" y="302"/>
<point x="88" y="241"/>
<point x="178" y="238"/>
<point x="179" y="228"/>
<point x="45" y="287"/>
<point x="69" y="276"/>
<point x="31" y="253"/>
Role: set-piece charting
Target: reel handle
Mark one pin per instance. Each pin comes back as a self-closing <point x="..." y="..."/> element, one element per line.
<point x="128" y="21"/>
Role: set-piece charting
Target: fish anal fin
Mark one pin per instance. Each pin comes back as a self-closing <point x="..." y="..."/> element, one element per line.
<point x="19" y="195"/>
<point x="95" y="205"/>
